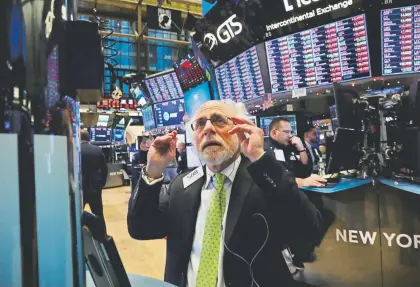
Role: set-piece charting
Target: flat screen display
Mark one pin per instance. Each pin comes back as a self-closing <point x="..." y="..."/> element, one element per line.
<point x="189" y="72"/>
<point x="136" y="121"/>
<point x="100" y="134"/>
<point x="324" y="55"/>
<point x="265" y="123"/>
<point x="118" y="135"/>
<point x="240" y="79"/>
<point x="400" y="40"/>
<point x="102" y="121"/>
<point x="195" y="97"/>
<point x="164" y="87"/>
<point x="148" y="119"/>
<point x="119" y="122"/>
<point x="386" y="91"/>
<point x="202" y="61"/>
<point x="169" y="113"/>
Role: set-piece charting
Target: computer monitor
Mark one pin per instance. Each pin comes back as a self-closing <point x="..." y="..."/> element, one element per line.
<point x="102" y="121"/>
<point x="347" y="110"/>
<point x="345" y="150"/>
<point x="189" y="72"/>
<point x="118" y="135"/>
<point x="164" y="87"/>
<point x="265" y="123"/>
<point x="169" y="113"/>
<point x="101" y="134"/>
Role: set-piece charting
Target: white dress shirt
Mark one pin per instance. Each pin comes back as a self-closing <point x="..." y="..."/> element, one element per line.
<point x="206" y="197"/>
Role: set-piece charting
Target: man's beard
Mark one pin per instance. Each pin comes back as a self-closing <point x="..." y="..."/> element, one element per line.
<point x="217" y="155"/>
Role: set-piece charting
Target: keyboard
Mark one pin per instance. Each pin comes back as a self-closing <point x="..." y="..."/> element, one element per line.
<point x="332" y="180"/>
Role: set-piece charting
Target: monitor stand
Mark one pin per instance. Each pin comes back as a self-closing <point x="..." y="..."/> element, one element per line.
<point x="101" y="255"/>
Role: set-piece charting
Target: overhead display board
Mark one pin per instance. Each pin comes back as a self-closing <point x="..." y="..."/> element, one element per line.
<point x="164" y="87"/>
<point x="231" y="28"/>
<point x="400" y="40"/>
<point x="240" y="79"/>
<point x="327" y="54"/>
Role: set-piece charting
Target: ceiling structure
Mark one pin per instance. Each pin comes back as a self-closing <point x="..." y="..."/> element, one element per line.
<point x="127" y="9"/>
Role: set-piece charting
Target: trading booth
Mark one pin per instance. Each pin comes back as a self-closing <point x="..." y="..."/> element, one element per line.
<point x="108" y="131"/>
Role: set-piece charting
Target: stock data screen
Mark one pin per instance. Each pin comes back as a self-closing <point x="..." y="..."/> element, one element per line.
<point x="148" y="119"/>
<point x="327" y="54"/>
<point x="164" y="88"/>
<point x="189" y="73"/>
<point x="169" y="113"/>
<point x="240" y="79"/>
<point x="100" y="134"/>
<point x="401" y="40"/>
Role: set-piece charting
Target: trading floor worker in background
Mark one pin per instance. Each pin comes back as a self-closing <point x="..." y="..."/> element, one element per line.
<point x="139" y="159"/>
<point x="314" y="154"/>
<point x="225" y="222"/>
<point x="290" y="150"/>
<point x="94" y="175"/>
<point x="181" y="158"/>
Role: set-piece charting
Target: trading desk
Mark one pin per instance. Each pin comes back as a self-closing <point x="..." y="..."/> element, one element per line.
<point x="371" y="235"/>
<point x="399" y="207"/>
<point x="115" y="176"/>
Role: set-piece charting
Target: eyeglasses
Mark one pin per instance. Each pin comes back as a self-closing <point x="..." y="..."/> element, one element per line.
<point x="216" y="120"/>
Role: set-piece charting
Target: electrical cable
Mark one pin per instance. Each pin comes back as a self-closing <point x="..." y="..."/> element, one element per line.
<point x="108" y="49"/>
<point x="249" y="264"/>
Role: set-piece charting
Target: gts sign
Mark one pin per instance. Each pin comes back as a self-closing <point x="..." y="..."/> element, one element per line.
<point x="224" y="32"/>
<point x="288" y="4"/>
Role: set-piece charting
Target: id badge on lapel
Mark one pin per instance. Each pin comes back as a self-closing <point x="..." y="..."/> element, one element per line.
<point x="193" y="176"/>
<point x="279" y="155"/>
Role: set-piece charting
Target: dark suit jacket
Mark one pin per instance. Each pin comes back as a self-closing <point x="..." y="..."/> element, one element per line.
<point x="140" y="158"/>
<point x="292" y="162"/>
<point x="264" y="187"/>
<point x="94" y="168"/>
<point x="310" y="162"/>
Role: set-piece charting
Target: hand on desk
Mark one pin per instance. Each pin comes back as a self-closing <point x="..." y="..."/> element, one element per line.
<point x="314" y="181"/>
